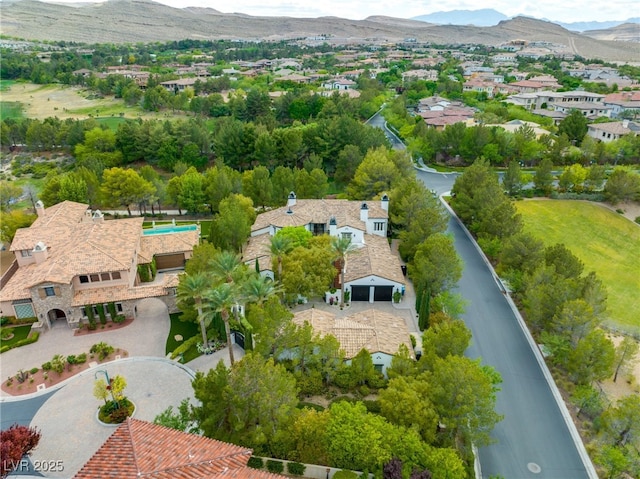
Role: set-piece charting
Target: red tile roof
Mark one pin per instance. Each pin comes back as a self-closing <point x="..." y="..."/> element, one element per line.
<point x="139" y="449"/>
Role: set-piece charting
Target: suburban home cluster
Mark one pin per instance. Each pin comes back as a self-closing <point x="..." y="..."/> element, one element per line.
<point x="71" y="264"/>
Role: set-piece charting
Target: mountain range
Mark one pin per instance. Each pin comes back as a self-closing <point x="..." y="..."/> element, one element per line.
<point x="486" y="17"/>
<point x="130" y="21"/>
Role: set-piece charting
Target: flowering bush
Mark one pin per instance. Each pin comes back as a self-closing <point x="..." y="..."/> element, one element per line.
<point x="211" y="347"/>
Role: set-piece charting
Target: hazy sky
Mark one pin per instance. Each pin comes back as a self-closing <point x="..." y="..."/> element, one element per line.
<point x="558" y="10"/>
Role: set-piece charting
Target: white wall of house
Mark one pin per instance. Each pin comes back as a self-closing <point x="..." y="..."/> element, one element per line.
<point x="357" y="235"/>
<point x="380" y="360"/>
<point x="371" y="281"/>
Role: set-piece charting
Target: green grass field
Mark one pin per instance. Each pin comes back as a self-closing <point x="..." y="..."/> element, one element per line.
<point x="186" y="329"/>
<point x="606" y="243"/>
<point x="10" y="109"/>
<point x="6" y="84"/>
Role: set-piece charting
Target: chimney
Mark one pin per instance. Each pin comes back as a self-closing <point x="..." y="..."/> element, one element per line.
<point x="40" y="208"/>
<point x="87" y="216"/>
<point x="98" y="217"/>
<point x="333" y="226"/>
<point x="40" y="253"/>
<point x="364" y="212"/>
<point x="384" y="202"/>
<point x="291" y="200"/>
<point x="625" y="123"/>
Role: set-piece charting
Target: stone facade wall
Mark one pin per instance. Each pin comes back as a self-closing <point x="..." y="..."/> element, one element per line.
<point x="62" y="300"/>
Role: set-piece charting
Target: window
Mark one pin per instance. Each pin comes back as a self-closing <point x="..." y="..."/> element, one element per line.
<point x="115" y="275"/>
<point x="346" y="236"/>
<point x="378" y="367"/>
<point x="105" y="277"/>
<point x="119" y="307"/>
<point x="49" y="291"/>
<point x="25" y="253"/>
<point x="94" y="278"/>
<point x="84" y="279"/>
<point x="378" y="226"/>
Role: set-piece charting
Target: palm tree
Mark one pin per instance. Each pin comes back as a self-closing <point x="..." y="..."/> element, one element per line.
<point x="227" y="266"/>
<point x="195" y="286"/>
<point x="280" y="245"/>
<point x="341" y="248"/>
<point x="222" y="299"/>
<point x="257" y="289"/>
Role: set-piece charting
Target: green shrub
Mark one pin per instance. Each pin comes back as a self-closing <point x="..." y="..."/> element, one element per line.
<point x="185" y="346"/>
<point x="154" y="269"/>
<point x="57" y="363"/>
<point x="88" y="311"/>
<point x="637" y="220"/>
<point x="310" y="405"/>
<point x="345" y="475"/>
<point x="3" y="320"/>
<point x="372" y="406"/>
<point x="143" y="273"/>
<point x="255" y="462"/>
<point x="33" y="370"/>
<point x="112" y="310"/>
<point x="118" y="318"/>
<point x="46" y="366"/>
<point x="296" y="468"/>
<point x="71" y="359"/>
<point x="102" y="349"/>
<point x="81" y="358"/>
<point x="101" y="314"/>
<point x="22" y="376"/>
<point x="619" y="211"/>
<point x="274" y="466"/>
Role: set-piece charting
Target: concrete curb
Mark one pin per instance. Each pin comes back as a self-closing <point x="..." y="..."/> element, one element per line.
<point x="586" y="460"/>
<point x="92" y="370"/>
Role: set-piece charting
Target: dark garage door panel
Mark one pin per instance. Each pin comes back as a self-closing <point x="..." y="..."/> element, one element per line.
<point x="359" y="293"/>
<point x="170" y="261"/>
<point x="383" y="293"/>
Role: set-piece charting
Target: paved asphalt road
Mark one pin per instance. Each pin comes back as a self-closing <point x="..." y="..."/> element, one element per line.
<point x="533" y="440"/>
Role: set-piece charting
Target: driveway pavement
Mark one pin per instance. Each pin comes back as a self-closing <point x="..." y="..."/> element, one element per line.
<point x="66" y="413"/>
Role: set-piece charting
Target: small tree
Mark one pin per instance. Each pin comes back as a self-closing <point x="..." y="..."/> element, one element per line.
<point x="15" y="442"/>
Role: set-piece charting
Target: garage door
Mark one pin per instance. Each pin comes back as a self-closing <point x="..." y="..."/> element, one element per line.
<point x="359" y="293"/>
<point x="169" y="261"/>
<point x="383" y="293"/>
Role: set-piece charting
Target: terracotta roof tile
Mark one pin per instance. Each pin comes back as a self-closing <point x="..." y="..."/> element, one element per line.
<point x="139" y="449"/>
<point x="374" y="258"/>
<point x="373" y="330"/>
<point x="124" y="292"/>
<point x="177" y="242"/>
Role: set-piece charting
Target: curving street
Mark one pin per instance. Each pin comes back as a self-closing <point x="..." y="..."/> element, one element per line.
<point x="536" y="438"/>
<point x="533" y="440"/>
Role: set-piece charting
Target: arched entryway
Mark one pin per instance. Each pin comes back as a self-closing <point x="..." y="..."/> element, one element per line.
<point x="57" y="317"/>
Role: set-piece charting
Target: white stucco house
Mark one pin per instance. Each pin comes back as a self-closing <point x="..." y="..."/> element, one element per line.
<point x="373" y="272"/>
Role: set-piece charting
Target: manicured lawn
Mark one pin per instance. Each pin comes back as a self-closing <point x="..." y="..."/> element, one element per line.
<point x="606" y="243"/>
<point x="186" y="329"/>
<point x="10" y="109"/>
<point x="19" y="333"/>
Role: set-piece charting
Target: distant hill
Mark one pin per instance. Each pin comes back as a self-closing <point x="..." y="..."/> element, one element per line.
<point x="627" y="32"/>
<point x="485" y="17"/>
<point x="131" y="21"/>
<point x="488" y="17"/>
<point x="585" y="26"/>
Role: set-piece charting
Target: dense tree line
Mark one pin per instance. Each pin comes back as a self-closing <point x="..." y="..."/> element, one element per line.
<point x="461" y="145"/>
<point x="564" y="309"/>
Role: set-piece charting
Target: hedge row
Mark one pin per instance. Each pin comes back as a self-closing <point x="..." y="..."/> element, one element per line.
<point x="277" y="467"/>
<point x="32" y="338"/>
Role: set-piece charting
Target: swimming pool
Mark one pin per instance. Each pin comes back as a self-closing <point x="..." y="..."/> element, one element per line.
<point x="163" y="230"/>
